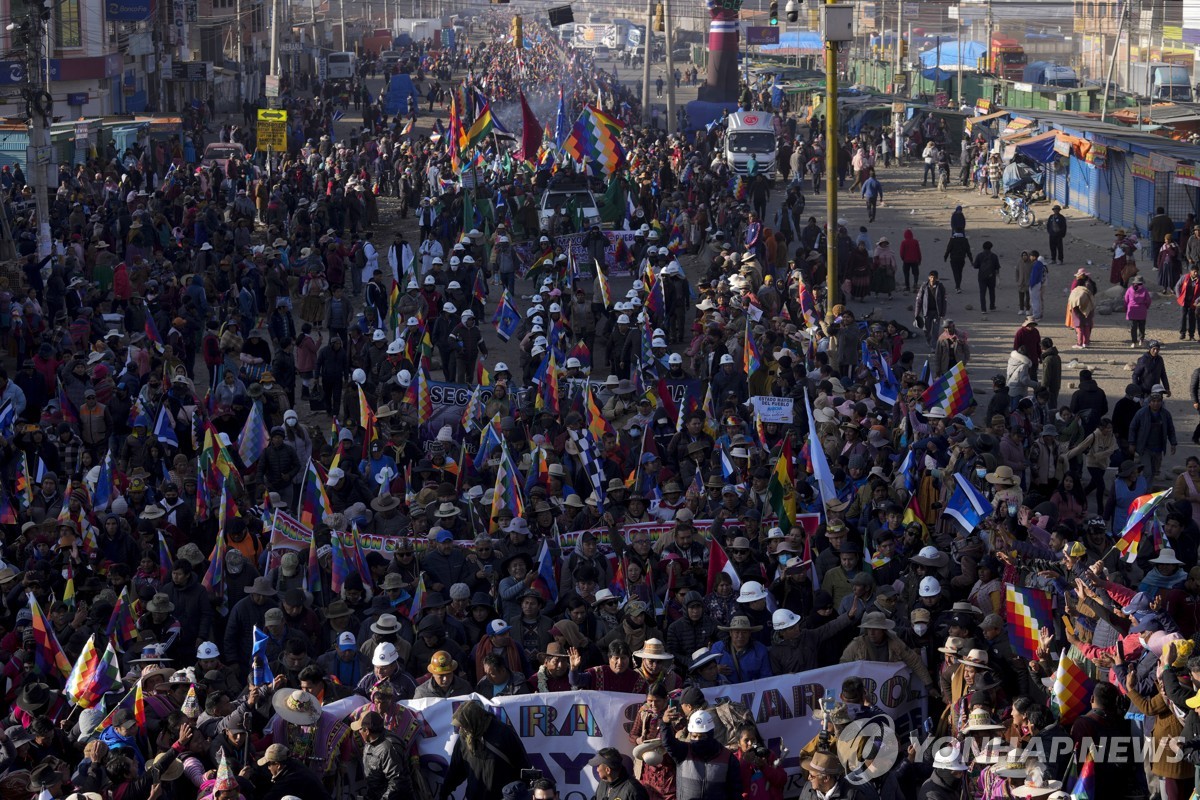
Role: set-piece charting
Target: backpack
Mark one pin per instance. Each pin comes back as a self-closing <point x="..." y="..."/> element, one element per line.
<point x="732" y="715"/>
<point x="360" y="255"/>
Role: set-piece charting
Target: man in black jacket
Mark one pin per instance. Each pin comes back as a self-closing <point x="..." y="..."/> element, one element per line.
<point x="615" y="781"/>
<point x="987" y="265"/>
<point x="289" y="777"/>
<point x="1056" y="228"/>
<point x="385" y="764"/>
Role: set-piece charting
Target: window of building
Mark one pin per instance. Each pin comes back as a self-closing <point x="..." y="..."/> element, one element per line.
<point x="70" y="31"/>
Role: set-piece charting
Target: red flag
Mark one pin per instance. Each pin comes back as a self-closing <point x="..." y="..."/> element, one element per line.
<point x="531" y="133"/>
<point x="718" y="562"/>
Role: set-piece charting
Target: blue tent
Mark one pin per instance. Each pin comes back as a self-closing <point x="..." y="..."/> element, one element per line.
<point x="943" y="61"/>
<point x="796" y="40"/>
<point x="396" y="99"/>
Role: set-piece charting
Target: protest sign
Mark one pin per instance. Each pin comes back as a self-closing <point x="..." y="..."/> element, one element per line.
<point x="773" y="409"/>
<point x="574" y="243"/>
<point x="561" y="731"/>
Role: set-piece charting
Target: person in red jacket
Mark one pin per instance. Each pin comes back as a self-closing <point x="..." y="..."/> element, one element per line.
<point x="910" y="256"/>
<point x="762" y="779"/>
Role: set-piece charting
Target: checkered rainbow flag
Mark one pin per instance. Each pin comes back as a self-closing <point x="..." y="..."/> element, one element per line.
<point x="1028" y="611"/>
<point x="594" y="140"/>
<point x="1072" y="692"/>
<point x="952" y="391"/>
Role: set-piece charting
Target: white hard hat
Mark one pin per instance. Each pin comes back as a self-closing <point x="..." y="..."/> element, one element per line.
<point x="453" y="285"/>
<point x="574" y="363"/>
<point x="412" y="322"/>
<point x="404" y="378"/>
<point x="555" y="308"/>
<point x="395" y="347"/>
<point x="638" y="285"/>
<point x="537" y="298"/>
<point x="468" y="259"/>
<point x="930" y="587"/>
<point x="500" y="367"/>
<point x="701" y="722"/>
<point x="429" y="281"/>
<point x="378" y="336"/>
<point x="207" y="650"/>
<point x="675" y="358"/>
<point x="449" y="308"/>
<point x="659" y="343"/>
<point x="783" y="619"/>
<point x="358" y="376"/>
<point x="623" y="319"/>
<point x="454" y="261"/>
<point x="726" y="359"/>
<point x="385" y="653"/>
<point x="537" y="350"/>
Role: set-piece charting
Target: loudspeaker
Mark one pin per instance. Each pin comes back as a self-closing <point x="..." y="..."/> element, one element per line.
<point x="561" y="16"/>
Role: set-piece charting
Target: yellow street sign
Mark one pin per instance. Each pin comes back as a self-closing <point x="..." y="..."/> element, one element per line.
<point x="272" y="129"/>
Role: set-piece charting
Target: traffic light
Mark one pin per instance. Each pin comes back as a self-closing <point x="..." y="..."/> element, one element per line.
<point x="774" y="15"/>
<point x="660" y="19"/>
<point x="792" y="10"/>
<point x="518" y="33"/>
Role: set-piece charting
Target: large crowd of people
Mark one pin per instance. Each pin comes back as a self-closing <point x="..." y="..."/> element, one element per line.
<point x="212" y="351"/>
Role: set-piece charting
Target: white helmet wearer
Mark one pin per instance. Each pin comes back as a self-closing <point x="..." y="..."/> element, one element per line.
<point x="623" y="319"/>
<point x="404" y="378"/>
<point x="358" y="376"/>
<point x="449" y="308"/>
<point x="930" y="587"/>
<point x="701" y="722"/>
<point x="674" y="358"/>
<point x="783" y="619"/>
<point x="500" y="367"/>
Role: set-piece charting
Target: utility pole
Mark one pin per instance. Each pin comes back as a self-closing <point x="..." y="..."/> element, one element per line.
<point x="667" y="40"/>
<point x="988" y="61"/>
<point x="899" y="24"/>
<point x="241" y="56"/>
<point x="958" y="43"/>
<point x="1112" y="66"/>
<point x="274" y="67"/>
<point x="647" y="48"/>
<point x="40" y="107"/>
<point x="342" y="14"/>
<point x="898" y="119"/>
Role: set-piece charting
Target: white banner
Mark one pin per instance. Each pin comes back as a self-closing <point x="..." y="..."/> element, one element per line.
<point x="561" y="731"/>
<point x="773" y="409"/>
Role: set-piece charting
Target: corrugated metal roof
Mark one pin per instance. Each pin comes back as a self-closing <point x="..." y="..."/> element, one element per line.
<point x="1148" y="141"/>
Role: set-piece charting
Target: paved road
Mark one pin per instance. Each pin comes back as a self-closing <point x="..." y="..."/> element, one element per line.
<point x="927" y="212"/>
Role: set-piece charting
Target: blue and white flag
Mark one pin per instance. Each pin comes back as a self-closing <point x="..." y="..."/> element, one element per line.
<point x="164" y="430"/>
<point x="967" y="505"/>
<point x="816" y="454"/>
<point x="8" y="418"/>
<point x="260" y="670"/>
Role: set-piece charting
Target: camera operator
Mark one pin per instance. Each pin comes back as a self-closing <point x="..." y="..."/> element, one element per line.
<point x="758" y="764"/>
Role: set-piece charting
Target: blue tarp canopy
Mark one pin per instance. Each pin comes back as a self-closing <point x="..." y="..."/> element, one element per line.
<point x="796" y="40"/>
<point x="1040" y="148"/>
<point x="947" y="59"/>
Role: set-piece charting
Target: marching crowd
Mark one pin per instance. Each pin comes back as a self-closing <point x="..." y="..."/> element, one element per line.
<point x="214" y="350"/>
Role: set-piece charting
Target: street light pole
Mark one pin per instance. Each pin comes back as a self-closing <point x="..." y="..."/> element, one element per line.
<point x="831" y="156"/>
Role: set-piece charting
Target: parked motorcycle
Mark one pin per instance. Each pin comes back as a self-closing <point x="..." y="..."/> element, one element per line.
<point x="1016" y="209"/>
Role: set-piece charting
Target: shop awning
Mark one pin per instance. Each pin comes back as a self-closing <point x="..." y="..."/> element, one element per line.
<point x="1040" y="148"/>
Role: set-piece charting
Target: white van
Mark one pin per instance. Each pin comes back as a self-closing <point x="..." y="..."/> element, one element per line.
<point x="341" y="66"/>
<point x="750" y="132"/>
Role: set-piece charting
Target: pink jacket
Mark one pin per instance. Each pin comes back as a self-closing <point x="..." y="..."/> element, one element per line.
<point x="306" y="351"/>
<point x="1137" y="302"/>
